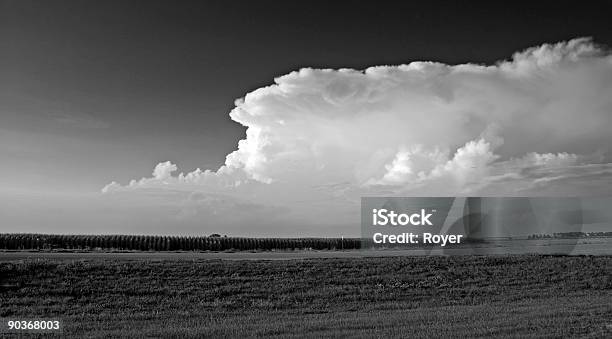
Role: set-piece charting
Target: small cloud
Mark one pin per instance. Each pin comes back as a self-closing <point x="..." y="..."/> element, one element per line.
<point x="164" y="170"/>
<point x="113" y="186"/>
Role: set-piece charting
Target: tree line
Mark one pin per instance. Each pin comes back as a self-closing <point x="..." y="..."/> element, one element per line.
<point x="12" y="241"/>
<point x="571" y="235"/>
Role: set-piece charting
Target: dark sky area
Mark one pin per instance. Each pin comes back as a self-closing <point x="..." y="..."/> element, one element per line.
<point x="94" y="91"/>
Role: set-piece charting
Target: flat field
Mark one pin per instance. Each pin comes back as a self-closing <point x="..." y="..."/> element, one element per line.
<point x="463" y="296"/>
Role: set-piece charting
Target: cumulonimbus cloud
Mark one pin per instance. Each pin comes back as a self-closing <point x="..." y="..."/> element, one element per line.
<point x="538" y="123"/>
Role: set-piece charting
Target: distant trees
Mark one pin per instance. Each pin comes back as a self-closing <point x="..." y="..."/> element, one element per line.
<point x="571" y="235"/>
<point x="12" y="241"/>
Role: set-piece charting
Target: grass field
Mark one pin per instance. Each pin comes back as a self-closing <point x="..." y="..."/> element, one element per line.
<point x="512" y="296"/>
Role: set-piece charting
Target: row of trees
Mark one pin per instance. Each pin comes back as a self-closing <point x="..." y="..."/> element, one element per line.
<point x="566" y="235"/>
<point x="169" y="243"/>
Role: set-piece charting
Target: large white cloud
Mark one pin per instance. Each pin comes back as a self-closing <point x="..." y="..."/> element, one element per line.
<point x="534" y="125"/>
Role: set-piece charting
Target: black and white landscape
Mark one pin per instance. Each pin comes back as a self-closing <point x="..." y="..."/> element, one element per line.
<point x="199" y="168"/>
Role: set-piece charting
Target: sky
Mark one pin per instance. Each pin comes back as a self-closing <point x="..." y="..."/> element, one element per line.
<point x="331" y="102"/>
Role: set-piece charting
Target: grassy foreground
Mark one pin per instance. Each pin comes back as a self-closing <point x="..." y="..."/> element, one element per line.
<point x="514" y="296"/>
